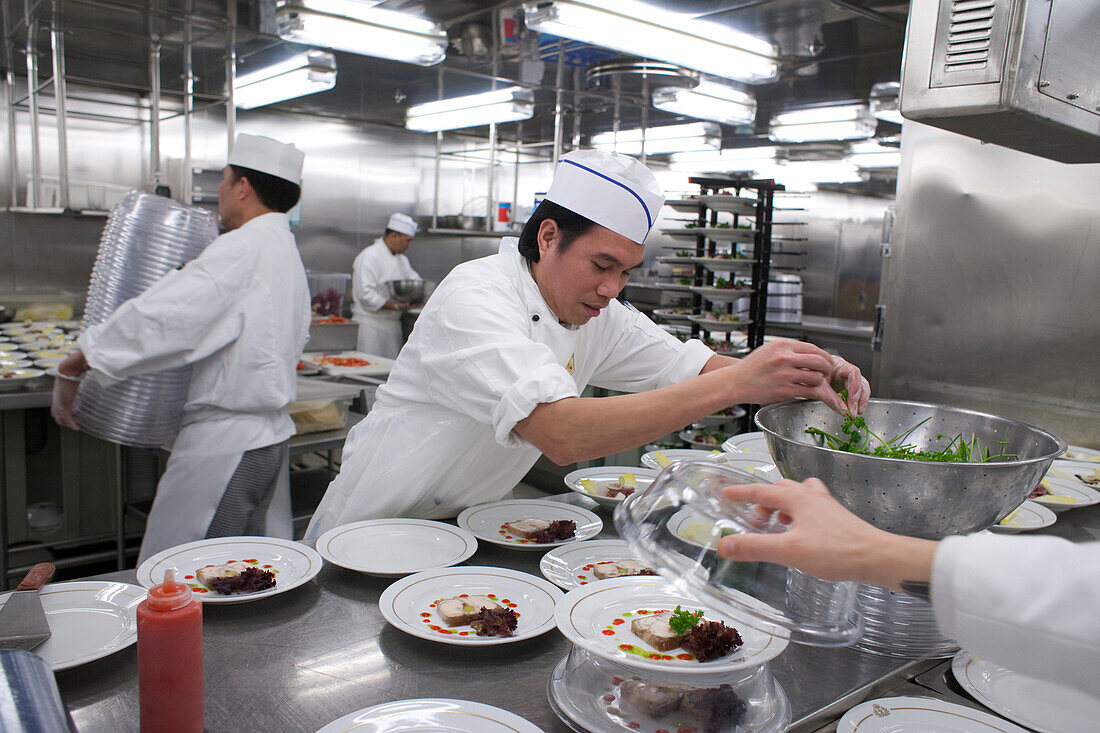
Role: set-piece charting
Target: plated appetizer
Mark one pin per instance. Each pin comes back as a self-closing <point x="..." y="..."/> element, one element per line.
<point x="703" y="640"/>
<point x="485" y="614"/>
<point x="541" y="530"/>
<point x="235" y="577"/>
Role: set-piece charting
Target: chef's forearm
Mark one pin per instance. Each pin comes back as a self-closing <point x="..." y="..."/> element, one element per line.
<point x="582" y="428"/>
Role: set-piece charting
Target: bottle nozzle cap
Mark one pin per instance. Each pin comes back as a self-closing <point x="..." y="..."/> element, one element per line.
<point x="169" y="595"/>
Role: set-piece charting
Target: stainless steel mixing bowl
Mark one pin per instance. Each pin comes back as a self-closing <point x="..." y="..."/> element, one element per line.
<point x="408" y="291"/>
<point x="918" y="498"/>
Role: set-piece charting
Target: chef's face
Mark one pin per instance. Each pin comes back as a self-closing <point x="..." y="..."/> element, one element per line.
<point x="580" y="281"/>
<point x="230" y="196"/>
<point x="398" y="243"/>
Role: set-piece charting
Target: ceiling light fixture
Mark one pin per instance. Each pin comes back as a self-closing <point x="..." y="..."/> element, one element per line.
<point x="641" y="29"/>
<point x="708" y="101"/>
<point x="501" y="105"/>
<point x="356" y="26"/>
<point x="723" y="161"/>
<point x="835" y="122"/>
<point x="884" y="101"/>
<point x="871" y="154"/>
<point x="806" y="174"/>
<point x="304" y="73"/>
<point x="661" y="140"/>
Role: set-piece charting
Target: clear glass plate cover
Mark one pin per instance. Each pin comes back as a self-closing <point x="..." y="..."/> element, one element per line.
<point x="590" y="693"/>
<point x="674" y="526"/>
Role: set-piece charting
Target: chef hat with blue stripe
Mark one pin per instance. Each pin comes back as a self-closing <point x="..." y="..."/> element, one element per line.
<point x="615" y="191"/>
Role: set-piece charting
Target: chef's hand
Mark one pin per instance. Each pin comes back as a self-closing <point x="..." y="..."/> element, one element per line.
<point x="394" y="305"/>
<point x="783" y="369"/>
<point x="847" y="376"/>
<point x="825" y="539"/>
<point x="65" y="387"/>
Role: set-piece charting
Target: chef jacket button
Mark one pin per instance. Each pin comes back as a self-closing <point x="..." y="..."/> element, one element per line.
<point x="438" y="501"/>
<point x="535" y="317"/>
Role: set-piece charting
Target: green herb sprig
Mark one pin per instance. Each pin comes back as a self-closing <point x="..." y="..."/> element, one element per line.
<point x="682" y="620"/>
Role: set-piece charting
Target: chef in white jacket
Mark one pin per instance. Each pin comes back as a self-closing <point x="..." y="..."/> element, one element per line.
<point x="491" y="376"/>
<point x="378" y="315"/>
<point x="239" y="314"/>
<point x="1031" y="604"/>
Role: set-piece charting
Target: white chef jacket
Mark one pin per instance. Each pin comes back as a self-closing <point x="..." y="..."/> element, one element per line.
<point x="239" y="314"/>
<point x="379" y="329"/>
<point x="1031" y="604"/>
<point x="486" y="351"/>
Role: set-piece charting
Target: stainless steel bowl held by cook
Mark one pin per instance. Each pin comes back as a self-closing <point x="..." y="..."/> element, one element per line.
<point x="930" y="499"/>
<point x="409" y="291"/>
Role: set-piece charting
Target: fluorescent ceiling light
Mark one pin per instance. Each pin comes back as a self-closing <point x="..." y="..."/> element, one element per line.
<point x="641" y="29"/>
<point x="873" y="155"/>
<point x="708" y="101"/>
<point x="884" y="101"/>
<point x="838" y="122"/>
<point x="501" y="105"/>
<point x="804" y="175"/>
<point x="297" y="76"/>
<point x="355" y="26"/>
<point x="660" y="140"/>
<point x="723" y="161"/>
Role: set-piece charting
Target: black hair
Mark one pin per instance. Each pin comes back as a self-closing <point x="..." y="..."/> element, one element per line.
<point x="389" y="231"/>
<point x="275" y="193"/>
<point x="572" y="225"/>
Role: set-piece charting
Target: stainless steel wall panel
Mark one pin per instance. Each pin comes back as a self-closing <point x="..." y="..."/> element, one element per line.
<point x="990" y="291"/>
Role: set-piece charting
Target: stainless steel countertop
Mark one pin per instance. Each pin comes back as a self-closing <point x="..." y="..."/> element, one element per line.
<point x="25" y="399"/>
<point x="301" y="659"/>
<point x="822" y="324"/>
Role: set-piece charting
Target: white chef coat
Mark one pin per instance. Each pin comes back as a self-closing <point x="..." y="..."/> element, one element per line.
<point x="379" y="328"/>
<point x="1031" y="604"/>
<point x="239" y="313"/>
<point x="486" y="351"/>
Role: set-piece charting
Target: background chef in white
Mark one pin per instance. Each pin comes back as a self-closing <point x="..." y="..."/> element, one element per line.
<point x="239" y="313"/>
<point x="493" y="371"/>
<point x="1031" y="604"/>
<point x="379" y="316"/>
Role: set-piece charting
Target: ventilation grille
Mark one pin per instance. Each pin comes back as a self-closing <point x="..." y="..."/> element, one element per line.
<point x="969" y="35"/>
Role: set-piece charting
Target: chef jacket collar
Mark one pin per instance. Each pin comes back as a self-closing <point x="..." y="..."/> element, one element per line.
<point x="538" y="310"/>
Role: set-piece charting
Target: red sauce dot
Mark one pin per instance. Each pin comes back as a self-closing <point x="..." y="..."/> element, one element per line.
<point x="685" y="657"/>
<point x="464" y="633"/>
<point x="616" y="680"/>
<point x="654" y="655"/>
<point x="201" y="590"/>
<point x="609" y="698"/>
<point x="660" y="730"/>
<point x="189" y="577"/>
<point x="503" y="600"/>
<point x="587" y="567"/>
<point x="618" y="621"/>
<point x="626" y="647"/>
<point x="425" y="614"/>
<point x="687" y="730"/>
<point x="464" y="595"/>
<point x="608" y="632"/>
<point x="252" y="560"/>
<point x="267" y="566"/>
<point x="580" y="577"/>
<point x="431" y="605"/>
<point x="491" y="596"/>
<point x="633" y="725"/>
<point x="584" y="582"/>
<point x="426" y="620"/>
<point x="642" y="612"/>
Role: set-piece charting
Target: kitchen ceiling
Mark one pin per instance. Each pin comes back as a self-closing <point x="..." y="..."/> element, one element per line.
<point x="831" y="50"/>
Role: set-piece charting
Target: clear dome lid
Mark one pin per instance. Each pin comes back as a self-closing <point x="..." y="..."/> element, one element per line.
<point x="674" y="526"/>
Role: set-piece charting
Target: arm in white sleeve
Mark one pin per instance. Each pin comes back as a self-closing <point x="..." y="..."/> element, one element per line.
<point x="1031" y="604"/>
<point x="184" y="317"/>
<point x="367" y="281"/>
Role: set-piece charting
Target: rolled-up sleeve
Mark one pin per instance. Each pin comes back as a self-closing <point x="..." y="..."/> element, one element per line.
<point x="1031" y="604"/>
<point x="642" y="356"/>
<point x="485" y="363"/>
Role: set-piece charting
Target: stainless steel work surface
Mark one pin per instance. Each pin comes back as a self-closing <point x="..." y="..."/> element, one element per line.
<point x="296" y="661"/>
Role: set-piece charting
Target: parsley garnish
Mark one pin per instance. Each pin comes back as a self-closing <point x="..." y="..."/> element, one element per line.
<point x="682" y="620"/>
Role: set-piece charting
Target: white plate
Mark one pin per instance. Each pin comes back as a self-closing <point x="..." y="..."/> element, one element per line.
<point x="379" y="366"/>
<point x="409" y="603"/>
<point x="1029" y="516"/>
<point x="486" y="521"/>
<point x="1081" y="493"/>
<point x="679" y="454"/>
<point x="709" y="324"/>
<point x="88" y="620"/>
<point x="721" y="295"/>
<point x="755" y="442"/>
<point x="430" y="715"/>
<point x="1040" y="705"/>
<point x="1076" y="471"/>
<point x="292" y="562"/>
<point x="608" y="475"/>
<point x="666" y="315"/>
<point x="1080" y="453"/>
<point x="395" y="547"/>
<point x="690" y="437"/>
<point x="925" y="714"/>
<point x="694" y="528"/>
<point x="585" y="613"/>
<point x="571" y="566"/>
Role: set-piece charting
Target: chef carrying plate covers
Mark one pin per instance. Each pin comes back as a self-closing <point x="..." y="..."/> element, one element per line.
<point x="239" y="313"/>
<point x="493" y="371"/>
<point x="378" y="316"/>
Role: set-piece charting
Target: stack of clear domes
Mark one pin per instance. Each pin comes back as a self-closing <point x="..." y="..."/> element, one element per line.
<point x="145" y="238"/>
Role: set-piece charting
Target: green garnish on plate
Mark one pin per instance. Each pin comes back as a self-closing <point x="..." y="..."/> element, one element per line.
<point x="682" y="620"/>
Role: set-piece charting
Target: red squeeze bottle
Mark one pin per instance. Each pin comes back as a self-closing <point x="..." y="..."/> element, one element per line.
<point x="169" y="658"/>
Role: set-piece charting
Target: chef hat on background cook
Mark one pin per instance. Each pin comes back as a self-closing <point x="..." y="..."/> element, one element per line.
<point x="402" y="224"/>
<point x="615" y="191"/>
<point x="267" y="155"/>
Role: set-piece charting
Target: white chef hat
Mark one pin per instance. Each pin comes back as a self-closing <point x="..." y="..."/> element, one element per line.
<point x="615" y="191"/>
<point x="402" y="223"/>
<point x="267" y="155"/>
